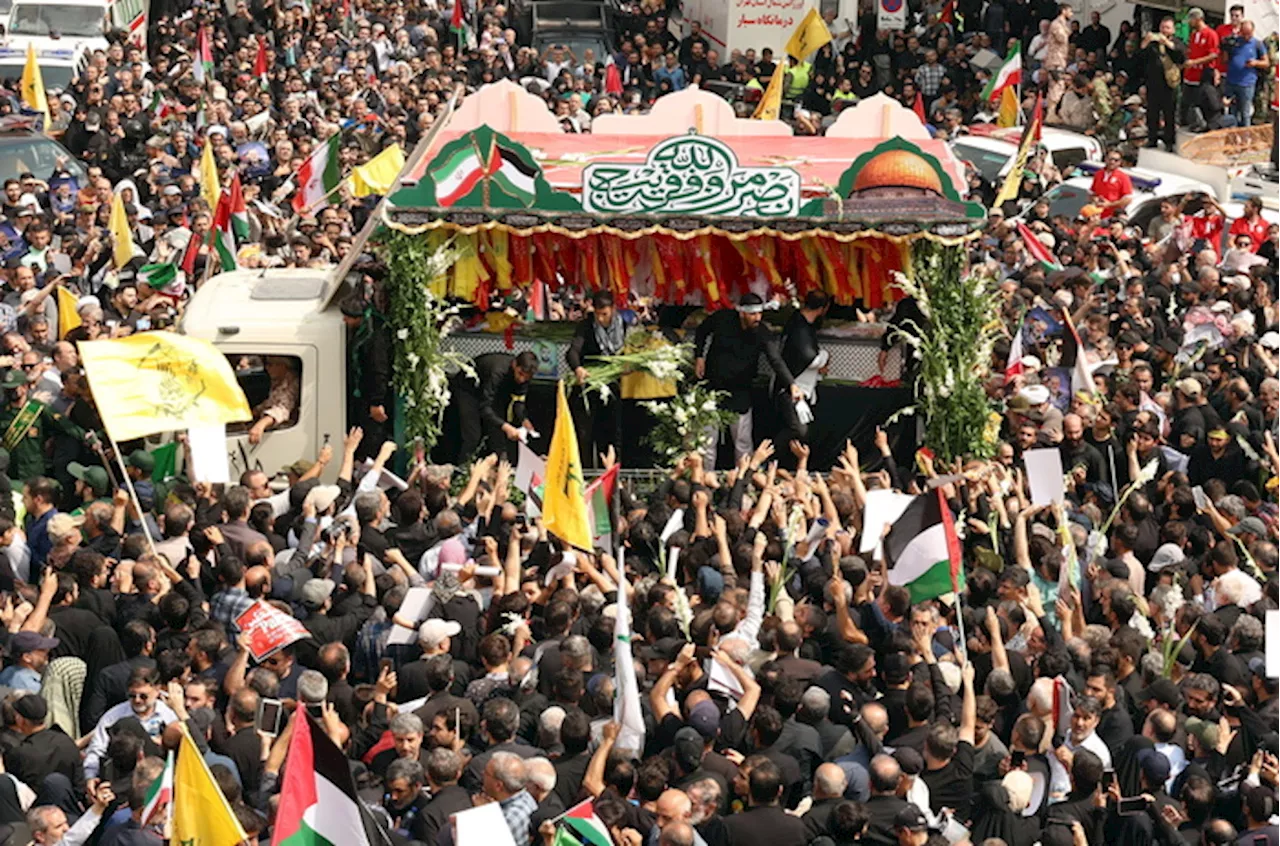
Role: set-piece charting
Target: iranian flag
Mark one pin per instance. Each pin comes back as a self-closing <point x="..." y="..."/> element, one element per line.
<point x="462" y="172"/>
<point x="1036" y="248"/>
<point x="319" y="176"/>
<point x="599" y="495"/>
<point x="202" y="68"/>
<point x="923" y="550"/>
<point x="239" y="213"/>
<point x="224" y="241"/>
<point x="159" y="794"/>
<point x="1009" y="74"/>
<point x="580" y="825"/>
<point x="318" y="803"/>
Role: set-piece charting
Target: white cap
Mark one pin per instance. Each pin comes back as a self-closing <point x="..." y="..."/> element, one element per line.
<point x="433" y="631"/>
<point x="1031" y="362"/>
<point x="1271" y="340"/>
<point x="1035" y="394"/>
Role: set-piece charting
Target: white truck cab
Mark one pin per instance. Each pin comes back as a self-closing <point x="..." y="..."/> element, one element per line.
<point x="992" y="150"/>
<point x="68" y="24"/>
<point x="59" y="66"/>
<point x="250" y="314"/>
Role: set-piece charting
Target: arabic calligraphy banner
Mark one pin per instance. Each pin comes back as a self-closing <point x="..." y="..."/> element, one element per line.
<point x="692" y="174"/>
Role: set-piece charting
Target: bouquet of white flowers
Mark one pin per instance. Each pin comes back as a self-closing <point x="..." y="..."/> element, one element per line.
<point x="642" y="352"/>
<point x="682" y="422"/>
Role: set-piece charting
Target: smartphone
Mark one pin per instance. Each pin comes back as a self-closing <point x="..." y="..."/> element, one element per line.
<point x="386" y="665"/>
<point x="1017" y="758"/>
<point x="1108" y="779"/>
<point x="270" y="713"/>
<point x="1202" y="501"/>
<point x="315" y="711"/>
<point x="1132" y="805"/>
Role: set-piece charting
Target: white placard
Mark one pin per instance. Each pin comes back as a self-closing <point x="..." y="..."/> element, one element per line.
<point x="208" y="445"/>
<point x="720" y="680"/>
<point x="482" y="825"/>
<point x="882" y="508"/>
<point x="528" y="467"/>
<point x="1273" y="644"/>
<point x="1044" y="475"/>
<point x="416" y="605"/>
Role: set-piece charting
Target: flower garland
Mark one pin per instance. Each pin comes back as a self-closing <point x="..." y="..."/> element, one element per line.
<point x="422" y="320"/>
<point x="953" y="351"/>
<point x="643" y="351"/>
<point x="681" y="423"/>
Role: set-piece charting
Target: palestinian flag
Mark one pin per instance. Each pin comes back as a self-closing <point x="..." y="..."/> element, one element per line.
<point x="202" y="68"/>
<point x="1009" y="74"/>
<point x="239" y="214"/>
<point x="159" y="794"/>
<point x="458" y="24"/>
<point x="1073" y="356"/>
<point x="599" y="496"/>
<point x="1036" y="248"/>
<point x="923" y="550"/>
<point x="462" y="172"/>
<point x="580" y="825"/>
<point x="948" y="14"/>
<point x="224" y="241"/>
<point x="513" y="176"/>
<point x="318" y="802"/>
<point x="163" y="279"/>
<point x="319" y="176"/>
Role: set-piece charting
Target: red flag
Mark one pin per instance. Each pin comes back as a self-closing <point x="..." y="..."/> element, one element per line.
<point x="918" y="108"/>
<point x="188" y="263"/>
<point x="954" y="554"/>
<point x="260" y="61"/>
<point x="948" y="15"/>
<point x="456" y="22"/>
<point x="612" y="79"/>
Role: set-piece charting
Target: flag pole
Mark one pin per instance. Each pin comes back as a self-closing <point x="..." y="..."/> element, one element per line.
<point x="133" y="494"/>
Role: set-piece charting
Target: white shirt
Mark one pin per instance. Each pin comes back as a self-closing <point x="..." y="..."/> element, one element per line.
<point x="1059" y="778"/>
<point x="160" y="717"/>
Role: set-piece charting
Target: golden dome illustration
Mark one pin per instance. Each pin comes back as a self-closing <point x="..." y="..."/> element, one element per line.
<point x="898" y="169"/>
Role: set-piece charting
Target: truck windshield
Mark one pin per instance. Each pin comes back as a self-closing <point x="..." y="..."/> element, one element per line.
<point x="56" y="78"/>
<point x="45" y="18"/>
<point x="989" y="163"/>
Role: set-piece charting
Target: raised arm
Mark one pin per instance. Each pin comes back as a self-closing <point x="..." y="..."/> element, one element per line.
<point x="968" y="705"/>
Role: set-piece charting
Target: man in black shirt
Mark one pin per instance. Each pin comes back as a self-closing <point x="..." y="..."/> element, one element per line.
<point x="885" y="803"/>
<point x="491" y="409"/>
<point x="728" y="346"/>
<point x="948" y="756"/>
<point x="806" y="361"/>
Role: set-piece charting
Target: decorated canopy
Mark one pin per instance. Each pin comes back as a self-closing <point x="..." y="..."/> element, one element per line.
<point x="616" y="217"/>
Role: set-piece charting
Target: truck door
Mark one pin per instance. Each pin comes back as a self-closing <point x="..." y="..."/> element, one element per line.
<point x="131" y="16"/>
<point x="280" y="380"/>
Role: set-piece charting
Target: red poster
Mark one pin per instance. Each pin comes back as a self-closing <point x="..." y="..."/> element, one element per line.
<point x="269" y="630"/>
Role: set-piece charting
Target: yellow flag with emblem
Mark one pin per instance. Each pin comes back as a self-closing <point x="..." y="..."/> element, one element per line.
<point x="33" y="93"/>
<point x="155" y="382"/>
<point x="201" y="814"/>
<point x="210" y="188"/>
<point x="68" y="315"/>
<point x="121" y="234"/>
<point x="809" y="36"/>
<point x="771" y="102"/>
<point x="564" y="508"/>
<point x="378" y="175"/>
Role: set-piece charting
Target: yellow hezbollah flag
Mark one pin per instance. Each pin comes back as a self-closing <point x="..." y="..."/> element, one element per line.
<point x="378" y="175"/>
<point x="209" y="187"/>
<point x="161" y="382"/>
<point x="201" y="814"/>
<point x="771" y="102"/>
<point x="1009" y="107"/>
<point x="564" y="509"/>
<point x="121" y="236"/>
<point x="68" y="317"/>
<point x="33" y="93"/>
<point x="809" y="36"/>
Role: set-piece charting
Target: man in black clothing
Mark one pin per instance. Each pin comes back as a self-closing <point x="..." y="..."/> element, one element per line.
<point x="447" y="798"/>
<point x="1116" y="725"/>
<point x="110" y="686"/>
<point x="498" y="728"/>
<point x="885" y="803"/>
<point x="728" y="346"/>
<point x="764" y="823"/>
<point x="404" y="801"/>
<point x="1157" y="49"/>
<point x="369" y="373"/>
<point x="806" y="361"/>
<point x="244" y="746"/>
<point x="695" y="36"/>
<point x="491" y="408"/>
<point x="1079" y="457"/>
<point x="43" y="751"/>
<point x="597" y="419"/>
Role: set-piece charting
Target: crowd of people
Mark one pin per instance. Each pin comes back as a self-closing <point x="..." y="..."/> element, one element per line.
<point x="1098" y="677"/>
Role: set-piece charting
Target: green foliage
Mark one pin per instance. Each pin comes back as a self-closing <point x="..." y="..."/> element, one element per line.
<point x="953" y="351"/>
<point x="680" y="424"/>
<point x="420" y="319"/>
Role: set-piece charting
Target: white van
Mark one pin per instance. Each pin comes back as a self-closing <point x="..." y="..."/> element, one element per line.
<point x="59" y="67"/>
<point x="59" y="24"/>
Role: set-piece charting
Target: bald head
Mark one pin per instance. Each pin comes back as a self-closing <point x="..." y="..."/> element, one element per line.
<point x="829" y="782"/>
<point x="676" y="834"/>
<point x="257" y="581"/>
<point x="885" y="774"/>
<point x="1072" y="427"/>
<point x="876" y="718"/>
<point x="673" y="806"/>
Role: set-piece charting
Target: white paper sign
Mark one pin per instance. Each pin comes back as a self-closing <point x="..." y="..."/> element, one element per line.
<point x="208" y="445"/>
<point x="528" y="466"/>
<point x="882" y="508"/>
<point x="416" y="605"/>
<point x="1044" y="475"/>
<point x="482" y="825"/>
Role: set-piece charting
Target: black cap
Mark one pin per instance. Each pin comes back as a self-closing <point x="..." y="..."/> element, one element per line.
<point x="911" y="818"/>
<point x="665" y="649"/>
<point x="32" y="707"/>
<point x="1163" y="691"/>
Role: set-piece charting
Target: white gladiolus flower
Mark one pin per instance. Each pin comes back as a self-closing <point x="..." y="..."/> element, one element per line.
<point x="402" y="334"/>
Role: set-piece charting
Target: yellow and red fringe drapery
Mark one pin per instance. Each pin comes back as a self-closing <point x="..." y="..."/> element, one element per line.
<point x="493" y="261"/>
